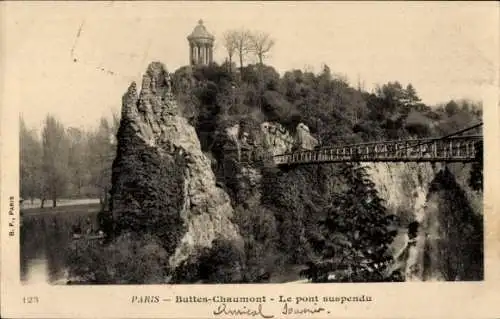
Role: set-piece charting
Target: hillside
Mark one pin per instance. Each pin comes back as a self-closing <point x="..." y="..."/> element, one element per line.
<point x="181" y="191"/>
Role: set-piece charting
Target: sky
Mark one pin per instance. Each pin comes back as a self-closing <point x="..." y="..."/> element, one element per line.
<point x="447" y="50"/>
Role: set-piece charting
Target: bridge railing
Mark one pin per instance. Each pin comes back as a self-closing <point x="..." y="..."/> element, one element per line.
<point x="457" y="149"/>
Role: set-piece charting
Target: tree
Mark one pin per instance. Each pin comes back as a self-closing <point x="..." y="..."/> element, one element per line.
<point x="102" y="151"/>
<point x="458" y="254"/>
<point x="77" y="159"/>
<point x="55" y="159"/>
<point x="243" y="44"/>
<point x="410" y="97"/>
<point x="355" y="234"/>
<point x="261" y="43"/>
<point x="230" y="42"/>
<point x="30" y="162"/>
<point x="392" y="93"/>
<point x="476" y="174"/>
<point x="451" y="108"/>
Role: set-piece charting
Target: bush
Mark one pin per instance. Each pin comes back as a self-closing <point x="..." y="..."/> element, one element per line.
<point x="129" y="259"/>
<point x="222" y="263"/>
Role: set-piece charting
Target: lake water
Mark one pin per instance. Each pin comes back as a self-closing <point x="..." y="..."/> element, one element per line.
<point x="45" y="237"/>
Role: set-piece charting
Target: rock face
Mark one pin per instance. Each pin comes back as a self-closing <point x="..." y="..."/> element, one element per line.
<point x="273" y="138"/>
<point x="449" y="244"/>
<point x="162" y="182"/>
<point x="404" y="186"/>
<point x="276" y="139"/>
<point x="305" y="140"/>
<point x="267" y="139"/>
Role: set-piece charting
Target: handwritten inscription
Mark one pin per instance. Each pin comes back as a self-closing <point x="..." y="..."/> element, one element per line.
<point x="223" y="309"/>
<point x="289" y="310"/>
<point x="269" y="307"/>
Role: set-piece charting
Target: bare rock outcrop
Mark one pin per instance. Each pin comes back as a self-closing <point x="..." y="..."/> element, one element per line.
<point x="305" y="140"/>
<point x="263" y="140"/>
<point x="276" y="139"/>
<point x="163" y="183"/>
<point x="273" y="138"/>
<point x="449" y="244"/>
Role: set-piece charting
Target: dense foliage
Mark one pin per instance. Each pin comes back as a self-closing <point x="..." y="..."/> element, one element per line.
<point x="60" y="162"/>
<point x="354" y="237"/>
<point x="146" y="205"/>
<point x="460" y="257"/>
<point x="476" y="175"/>
<point x="129" y="259"/>
<point x="222" y="263"/>
<point x="328" y="216"/>
<point x="318" y="214"/>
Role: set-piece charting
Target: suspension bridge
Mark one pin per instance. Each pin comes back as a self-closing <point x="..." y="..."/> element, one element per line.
<point x="454" y="147"/>
<point x="450" y="148"/>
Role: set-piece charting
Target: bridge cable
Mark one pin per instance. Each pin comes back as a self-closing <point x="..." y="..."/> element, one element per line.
<point x="431" y="140"/>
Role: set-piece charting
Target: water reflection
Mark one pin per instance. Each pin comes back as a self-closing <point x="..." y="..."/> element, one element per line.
<point x="44" y="241"/>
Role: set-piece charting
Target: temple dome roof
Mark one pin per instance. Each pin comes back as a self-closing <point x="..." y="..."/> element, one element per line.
<point x="200" y="33"/>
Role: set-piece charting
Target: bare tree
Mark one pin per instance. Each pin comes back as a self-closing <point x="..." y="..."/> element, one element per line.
<point x="230" y="44"/>
<point x="243" y="44"/>
<point x="261" y="44"/>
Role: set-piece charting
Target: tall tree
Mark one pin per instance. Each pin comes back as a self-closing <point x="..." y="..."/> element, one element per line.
<point x="355" y="237"/>
<point x="230" y="43"/>
<point x="77" y="159"/>
<point x="451" y="108"/>
<point x="410" y="97"/>
<point x="392" y="93"/>
<point x="261" y="43"/>
<point x="55" y="159"/>
<point x="102" y="151"/>
<point x="30" y="162"/>
<point x="476" y="174"/>
<point x="243" y="44"/>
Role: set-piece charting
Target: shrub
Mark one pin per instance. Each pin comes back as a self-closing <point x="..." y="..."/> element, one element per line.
<point x="222" y="263"/>
<point x="129" y="259"/>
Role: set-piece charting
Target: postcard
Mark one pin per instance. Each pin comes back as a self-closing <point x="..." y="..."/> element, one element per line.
<point x="249" y="159"/>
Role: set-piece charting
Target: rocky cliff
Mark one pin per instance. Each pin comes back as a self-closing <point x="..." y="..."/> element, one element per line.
<point x="267" y="139"/>
<point x="272" y="138"/>
<point x="421" y="192"/>
<point x="163" y="184"/>
<point x="429" y="194"/>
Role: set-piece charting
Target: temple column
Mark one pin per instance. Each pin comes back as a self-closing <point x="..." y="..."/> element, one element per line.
<point x="207" y="60"/>
<point x="206" y="54"/>
<point x="210" y="53"/>
<point x="203" y="54"/>
<point x="200" y="48"/>
<point x="190" y="53"/>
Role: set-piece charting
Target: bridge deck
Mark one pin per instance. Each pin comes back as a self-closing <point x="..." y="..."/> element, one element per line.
<point x="454" y="149"/>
